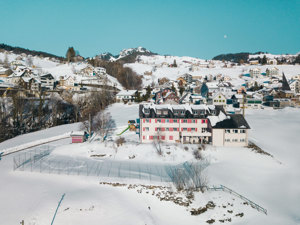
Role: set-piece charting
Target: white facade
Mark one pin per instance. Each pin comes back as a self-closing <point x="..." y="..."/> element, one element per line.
<point x="272" y="72"/>
<point x="229" y="137"/>
<point x="174" y="130"/>
<point x="126" y="96"/>
<point x="255" y="73"/>
<point x="219" y="99"/>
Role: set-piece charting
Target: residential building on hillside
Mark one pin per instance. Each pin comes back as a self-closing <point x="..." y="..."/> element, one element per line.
<point x="219" y="99"/>
<point x="126" y="96"/>
<point x="47" y="81"/>
<point x="175" y="123"/>
<point x="295" y="86"/>
<point x="272" y="72"/>
<point x="255" y="72"/>
<point x="229" y="130"/>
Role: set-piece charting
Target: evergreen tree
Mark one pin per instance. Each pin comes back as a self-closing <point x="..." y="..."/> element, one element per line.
<point x="70" y="54"/>
<point x="264" y="60"/>
<point x="181" y="90"/>
<point x="174" y="63"/>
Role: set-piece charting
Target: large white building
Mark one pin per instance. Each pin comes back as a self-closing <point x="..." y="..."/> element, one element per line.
<point x="191" y="124"/>
<point x="175" y="123"/>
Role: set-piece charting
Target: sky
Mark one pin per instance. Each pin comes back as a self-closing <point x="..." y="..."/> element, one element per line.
<point x="194" y="28"/>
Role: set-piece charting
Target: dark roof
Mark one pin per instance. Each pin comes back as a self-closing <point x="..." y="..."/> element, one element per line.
<point x="285" y="84"/>
<point x="235" y="121"/>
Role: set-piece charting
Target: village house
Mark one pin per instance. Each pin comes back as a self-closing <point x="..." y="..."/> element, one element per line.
<point x="295" y="86"/>
<point x="47" y="81"/>
<point x="126" y="96"/>
<point x="255" y="72"/>
<point x="272" y="72"/>
<point x="229" y="130"/>
<point x="219" y="99"/>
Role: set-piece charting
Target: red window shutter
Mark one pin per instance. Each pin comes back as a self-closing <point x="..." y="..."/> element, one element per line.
<point x="163" y="120"/>
<point x="144" y="137"/>
<point x="150" y="121"/>
<point x="171" y="129"/>
<point x="189" y="121"/>
<point x="155" y="120"/>
<point x="196" y="121"/>
<point x="171" y="121"/>
<point x="181" y="121"/>
<point x="162" y="129"/>
<point x="155" y="128"/>
<point x="144" y="120"/>
<point x="189" y="129"/>
<point x="196" y="129"/>
<point x="205" y="121"/>
<point x="144" y="128"/>
<point x="151" y="137"/>
<point x="181" y="129"/>
<point x="163" y="137"/>
<point x="202" y="121"/>
<point x="171" y="137"/>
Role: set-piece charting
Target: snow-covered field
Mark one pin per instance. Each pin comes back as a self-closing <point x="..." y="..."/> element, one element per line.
<point x="272" y="182"/>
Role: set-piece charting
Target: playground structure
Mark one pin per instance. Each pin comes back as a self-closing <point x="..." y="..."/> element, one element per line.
<point x="132" y="126"/>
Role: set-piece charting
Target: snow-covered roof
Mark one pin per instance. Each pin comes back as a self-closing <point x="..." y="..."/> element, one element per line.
<point x="215" y="119"/>
<point x="126" y="92"/>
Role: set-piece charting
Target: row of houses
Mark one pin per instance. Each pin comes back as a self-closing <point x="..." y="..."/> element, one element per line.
<point x="192" y="124"/>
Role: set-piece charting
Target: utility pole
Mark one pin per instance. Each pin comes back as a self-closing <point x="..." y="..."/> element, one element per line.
<point x="244" y="98"/>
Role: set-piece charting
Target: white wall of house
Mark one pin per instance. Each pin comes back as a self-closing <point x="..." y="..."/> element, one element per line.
<point x="169" y="130"/>
<point x="230" y="137"/>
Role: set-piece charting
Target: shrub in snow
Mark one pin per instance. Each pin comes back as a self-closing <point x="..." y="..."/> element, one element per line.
<point x="120" y="141"/>
<point x="197" y="154"/>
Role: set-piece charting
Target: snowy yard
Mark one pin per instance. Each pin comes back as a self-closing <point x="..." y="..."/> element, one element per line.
<point x="272" y="182"/>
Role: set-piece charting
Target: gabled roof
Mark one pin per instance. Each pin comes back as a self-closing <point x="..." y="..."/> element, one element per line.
<point x="235" y="121"/>
<point x="127" y="92"/>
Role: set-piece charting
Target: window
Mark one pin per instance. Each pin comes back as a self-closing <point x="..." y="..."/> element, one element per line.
<point x="242" y="140"/>
<point x="227" y="131"/>
<point x="175" y="121"/>
<point x="236" y="131"/>
<point x="175" y="129"/>
<point x="203" y="121"/>
<point x="242" y="131"/>
<point x="167" y="129"/>
<point x="146" y="128"/>
<point x="203" y="130"/>
<point x="193" y="129"/>
<point x="194" y="121"/>
<point x="159" y="120"/>
<point x="148" y="120"/>
<point x="184" y="129"/>
<point x="184" y="121"/>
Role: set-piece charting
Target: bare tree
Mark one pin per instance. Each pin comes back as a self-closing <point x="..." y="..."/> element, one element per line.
<point x="157" y="141"/>
<point x="29" y="61"/>
<point x="102" y="124"/>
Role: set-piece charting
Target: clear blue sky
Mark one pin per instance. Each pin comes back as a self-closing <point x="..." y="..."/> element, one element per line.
<point x="188" y="27"/>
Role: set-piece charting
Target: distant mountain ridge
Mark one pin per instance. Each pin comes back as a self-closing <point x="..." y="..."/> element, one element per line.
<point x="126" y="55"/>
<point x="246" y="56"/>
<point x="19" y="50"/>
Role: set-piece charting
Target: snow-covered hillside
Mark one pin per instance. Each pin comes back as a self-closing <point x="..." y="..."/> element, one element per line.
<point x="272" y="182"/>
<point x="46" y="65"/>
<point x="157" y="66"/>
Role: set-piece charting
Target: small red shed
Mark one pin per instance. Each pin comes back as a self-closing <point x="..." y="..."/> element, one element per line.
<point x="78" y="137"/>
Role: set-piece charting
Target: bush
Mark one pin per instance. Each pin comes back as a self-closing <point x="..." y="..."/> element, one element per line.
<point x="120" y="141"/>
<point x="197" y="154"/>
